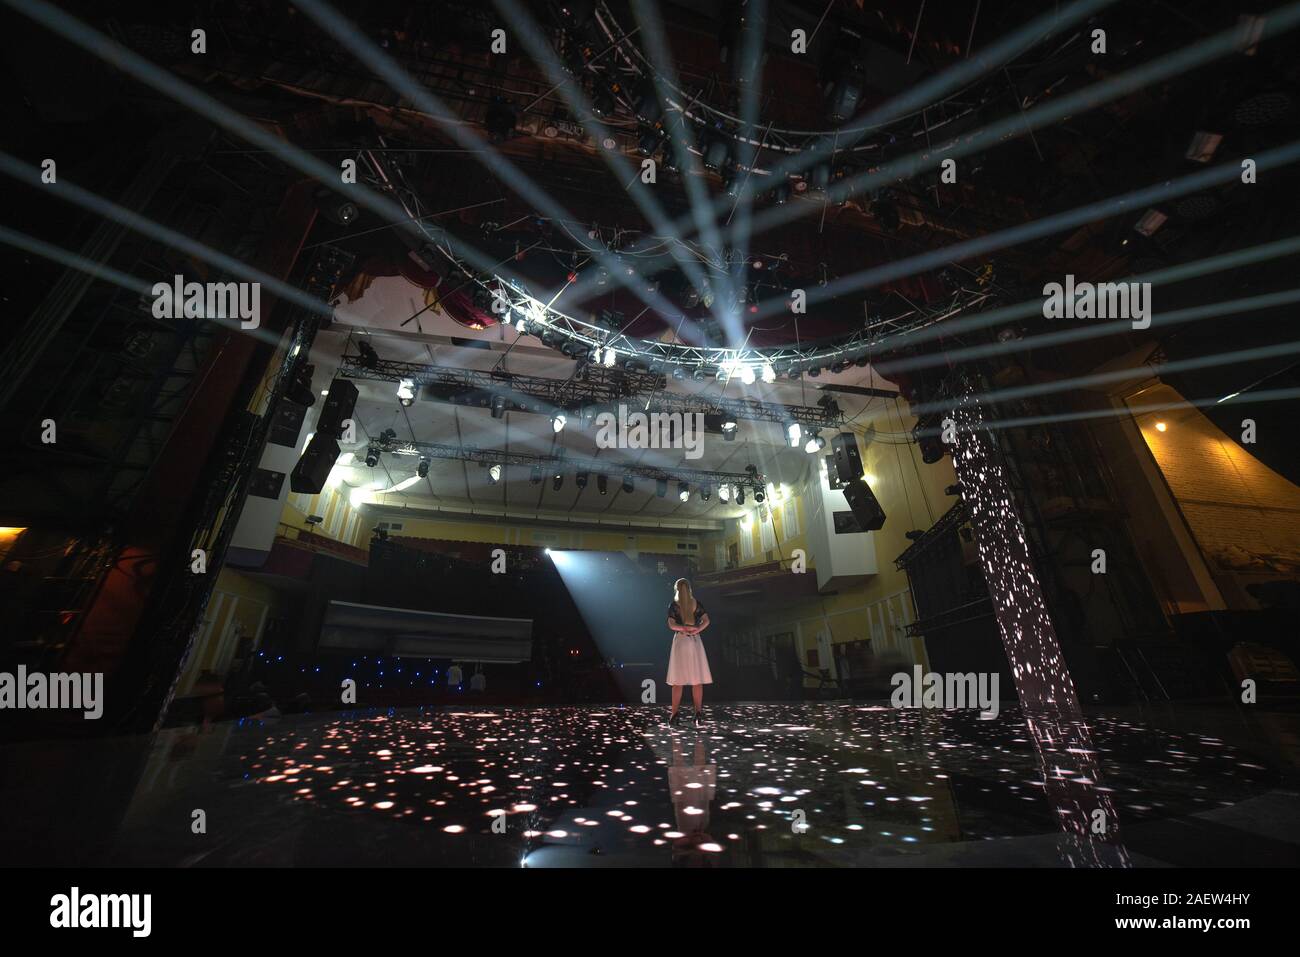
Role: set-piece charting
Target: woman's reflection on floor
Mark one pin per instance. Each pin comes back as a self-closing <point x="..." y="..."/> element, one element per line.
<point x="692" y="784"/>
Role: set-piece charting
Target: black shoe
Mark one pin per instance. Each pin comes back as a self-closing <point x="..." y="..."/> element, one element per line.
<point x="673" y="718"/>
<point x="699" y="719"/>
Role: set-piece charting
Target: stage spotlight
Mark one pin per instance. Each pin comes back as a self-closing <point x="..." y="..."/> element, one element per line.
<point x="794" y="432"/>
<point x="580" y="480"/>
<point x="698" y="374"/>
<point x="705" y="492"/>
<point x="610" y="357"/>
<point x="422" y="469"/>
<point x="769" y="374"/>
<point x="536" y="476"/>
<point x="557" y="481"/>
<point x="815" y="445"/>
<point x="740" y="495"/>
<point x="494" y="473"/>
<point x="661" y="487"/>
<point x="406" y="392"/>
<point x="679" y="373"/>
<point x="372" y="456"/>
<point x="729" y="430"/>
<point x="369" y="358"/>
<point x="760" y="496"/>
<point x="724" y="493"/>
<point x="926" y="434"/>
<point x="747" y="374"/>
<point x="557" y="422"/>
<point x="683" y="492"/>
<point x="628" y="485"/>
<point x="602" y="484"/>
<point x="498" y="406"/>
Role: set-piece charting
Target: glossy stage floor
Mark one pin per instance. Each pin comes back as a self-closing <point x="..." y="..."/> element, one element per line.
<point x="808" y="784"/>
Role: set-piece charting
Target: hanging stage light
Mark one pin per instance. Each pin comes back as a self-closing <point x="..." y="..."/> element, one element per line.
<point x="740" y="495"/>
<point x="815" y="445"/>
<point x="705" y="492"/>
<point x="759" y="495"/>
<point x="372" y="456"/>
<point x="536" y="476"/>
<point x="422" y="469"/>
<point x="580" y="480"/>
<point x="494" y="473"/>
<point x="406" y="392"/>
<point x="602" y="484"/>
<point x="556" y="481"/>
<point x="498" y="406"/>
<point x="683" y="492"/>
<point x="557" y="421"/>
<point x="729" y="430"/>
<point x="661" y="487"/>
<point x="628" y="485"/>
<point x="769" y="374"/>
<point x="747" y="374"/>
<point x="724" y="493"/>
<point x="610" y="357"/>
<point x="794" y="432"/>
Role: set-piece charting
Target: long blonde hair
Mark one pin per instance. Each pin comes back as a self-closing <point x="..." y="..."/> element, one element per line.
<point x="678" y="586"/>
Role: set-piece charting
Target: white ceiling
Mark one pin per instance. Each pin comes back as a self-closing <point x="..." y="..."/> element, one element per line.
<point x="457" y="485"/>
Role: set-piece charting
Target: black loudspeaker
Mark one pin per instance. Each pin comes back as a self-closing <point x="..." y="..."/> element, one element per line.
<point x="863" y="502"/>
<point x="339" y="404"/>
<point x="848" y="463"/>
<point x="313" y="468"/>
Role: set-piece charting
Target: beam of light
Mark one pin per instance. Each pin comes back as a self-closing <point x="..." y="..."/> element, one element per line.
<point x="1037" y="229"/>
<point x="72" y="193"/>
<point x="532" y="34"/>
<point x="1175" y="317"/>
<point x="1018" y="124"/>
<point x="171" y="86"/>
<point x="702" y="214"/>
<point x="949" y="81"/>
<point x="750" y="73"/>
<point x="71" y="260"/>
<point x="625" y="610"/>
<point x="1128" y="411"/>
<point x="1121" y="375"/>
<point x="1042" y="678"/>
<point x="1196" y="269"/>
<point x="351" y="37"/>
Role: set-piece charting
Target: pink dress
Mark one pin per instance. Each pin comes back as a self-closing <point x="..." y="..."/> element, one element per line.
<point x="687" y="663"/>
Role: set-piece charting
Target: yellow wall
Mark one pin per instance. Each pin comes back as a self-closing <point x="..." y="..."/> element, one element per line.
<point x="239" y="605"/>
<point x="1244" y="516"/>
<point x="912" y="495"/>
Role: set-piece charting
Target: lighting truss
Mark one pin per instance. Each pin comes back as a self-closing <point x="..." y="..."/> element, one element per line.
<point x="465" y="453"/>
<point x="595" y="386"/>
<point x="515" y="304"/>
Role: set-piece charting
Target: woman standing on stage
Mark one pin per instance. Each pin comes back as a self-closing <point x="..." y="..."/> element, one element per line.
<point x="687" y="663"/>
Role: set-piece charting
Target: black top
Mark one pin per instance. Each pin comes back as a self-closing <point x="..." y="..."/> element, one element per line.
<point x="675" y="614"/>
